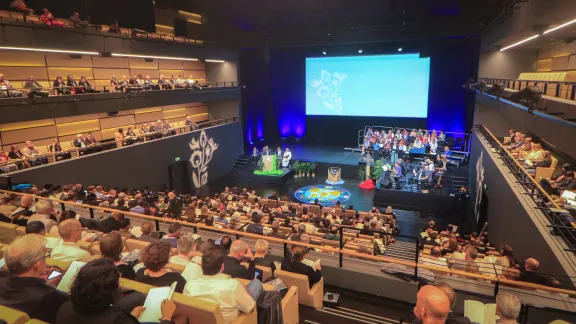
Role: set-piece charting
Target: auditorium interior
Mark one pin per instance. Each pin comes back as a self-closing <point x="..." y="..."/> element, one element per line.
<point x="261" y="161"/>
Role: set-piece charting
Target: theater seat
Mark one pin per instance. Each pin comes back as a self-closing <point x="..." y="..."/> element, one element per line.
<point x="8" y="232"/>
<point x="13" y="316"/>
<point x="306" y="296"/>
<point x="176" y="267"/>
<point x="56" y="263"/>
<point x="266" y="272"/>
<point x="546" y="172"/>
<point x="35" y="321"/>
<point x="197" y="310"/>
<point x="290" y="312"/>
<point x="21" y="230"/>
<point x="133" y="244"/>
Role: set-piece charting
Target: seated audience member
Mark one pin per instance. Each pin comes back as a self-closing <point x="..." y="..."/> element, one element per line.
<point x="255" y="227"/>
<point x="508" y="308"/>
<point x="507" y="259"/>
<point x="155" y="257"/>
<point x="293" y="263"/>
<point x="73" y="85"/>
<point x="239" y="252"/>
<point x="121" y="205"/>
<point x="44" y="213"/>
<point x="35" y="88"/>
<point x="149" y="84"/>
<point x="453" y="318"/>
<point x="112" y="223"/>
<point x="529" y="274"/>
<point x="30" y="151"/>
<point x="147" y="228"/>
<point x="8" y="205"/>
<point x="434" y="258"/>
<point x="125" y="229"/>
<point x="310" y="228"/>
<point x="16" y="154"/>
<point x="190" y="124"/>
<point x="214" y="286"/>
<point x="26" y="209"/>
<point x="79" y="141"/>
<point x="333" y="235"/>
<point x="111" y="246"/>
<point x="7" y="90"/>
<point x="186" y="245"/>
<point x="26" y="289"/>
<point x="20" y="6"/>
<point x="60" y="87"/>
<point x="276" y="231"/>
<point x="262" y="248"/>
<point x="70" y="231"/>
<point x="163" y="83"/>
<point x="75" y="18"/>
<point x="118" y="85"/>
<point x="94" y="293"/>
<point x="300" y="235"/>
<point x="86" y="85"/>
<point x="174" y="233"/>
<point x="432" y="305"/>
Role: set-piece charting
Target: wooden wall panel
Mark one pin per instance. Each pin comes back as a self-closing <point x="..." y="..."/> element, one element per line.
<point x="560" y="50"/>
<point x="196" y="110"/>
<point x="197" y="75"/>
<point x="71" y="119"/>
<point x="78" y="127"/>
<point x="76" y="72"/>
<point x="22" y="58"/>
<point x="544" y="65"/>
<point x="169" y="73"/>
<point x="106" y="74"/>
<point x="545" y="53"/>
<point x="115" y="122"/>
<point x="23" y="135"/>
<point x="61" y="60"/>
<point x="560" y="63"/>
<point x="97" y="135"/>
<point x="13" y="73"/>
<point x="147" y="110"/>
<point x="572" y="62"/>
<point x="199" y="118"/>
<point x="26" y="124"/>
<point x="154" y="74"/>
<point x="147" y="117"/>
<point x="169" y="65"/>
<point x="139" y="63"/>
<point x="109" y="132"/>
<point x="168" y="114"/>
<point x="193" y="65"/>
<point x="110" y="62"/>
<point x="176" y="119"/>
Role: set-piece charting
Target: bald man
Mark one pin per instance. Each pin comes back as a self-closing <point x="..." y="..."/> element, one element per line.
<point x="531" y="265"/>
<point x="432" y="305"/>
<point x="239" y="251"/>
<point x="453" y="318"/>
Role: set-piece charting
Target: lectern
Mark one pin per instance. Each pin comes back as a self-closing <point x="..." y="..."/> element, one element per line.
<point x="269" y="162"/>
<point x="334" y="176"/>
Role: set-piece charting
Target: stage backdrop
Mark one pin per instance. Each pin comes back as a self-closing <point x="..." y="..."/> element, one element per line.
<point x="274" y="96"/>
<point x="211" y="153"/>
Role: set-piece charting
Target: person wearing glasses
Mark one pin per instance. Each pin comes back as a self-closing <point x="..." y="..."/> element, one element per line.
<point x="26" y="288"/>
<point x="70" y="231"/>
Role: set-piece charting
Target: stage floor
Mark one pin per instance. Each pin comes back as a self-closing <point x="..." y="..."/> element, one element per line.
<point x="323" y="154"/>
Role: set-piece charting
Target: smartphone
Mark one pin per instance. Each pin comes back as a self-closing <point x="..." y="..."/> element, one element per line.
<point x="54" y="274"/>
<point x="258" y="274"/>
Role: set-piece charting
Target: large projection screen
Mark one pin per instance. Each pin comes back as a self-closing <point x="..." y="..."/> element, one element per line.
<point x="372" y="86"/>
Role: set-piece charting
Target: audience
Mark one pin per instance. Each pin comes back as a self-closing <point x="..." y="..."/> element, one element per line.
<point x="155" y="257"/>
<point x="262" y="250"/>
<point x="70" y="231"/>
<point x="174" y="232"/>
<point x="44" y="210"/>
<point x="239" y="251"/>
<point x="507" y="308"/>
<point x="112" y="223"/>
<point x="432" y="305"/>
<point x="147" y="228"/>
<point x="529" y="274"/>
<point x="453" y="318"/>
<point x="26" y="288"/>
<point x="186" y="247"/>
<point x="111" y="247"/>
<point x="293" y="263"/>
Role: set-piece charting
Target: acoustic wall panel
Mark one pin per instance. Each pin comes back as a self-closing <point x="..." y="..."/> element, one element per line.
<point x="147" y="110"/>
<point x="115" y="122"/>
<point x="154" y="74"/>
<point x="196" y="110"/>
<point x="106" y="74"/>
<point x="71" y="119"/>
<point x="148" y="117"/>
<point x="110" y="62"/>
<point x="65" y="60"/>
<point x="23" y="135"/>
<point x="174" y="113"/>
<point x="120" y="113"/>
<point x="78" y="127"/>
<point x="21" y="58"/>
<point x="560" y="63"/>
<point x="76" y="72"/>
<point x="140" y="63"/>
<point x="193" y="65"/>
<point x="12" y="73"/>
<point x="26" y="124"/>
<point x="544" y="65"/>
<point x="109" y="132"/>
<point x="169" y="65"/>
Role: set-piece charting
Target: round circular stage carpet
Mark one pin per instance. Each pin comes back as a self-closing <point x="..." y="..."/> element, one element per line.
<point x="324" y="194"/>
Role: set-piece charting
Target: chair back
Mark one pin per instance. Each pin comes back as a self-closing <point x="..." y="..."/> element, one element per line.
<point x="8" y="232"/>
<point x="266" y="272"/>
<point x="175" y="267"/>
<point x="291" y="279"/>
<point x="13" y="316"/>
<point x="21" y="230"/>
<point x="272" y="203"/>
<point x="57" y="263"/>
<point x="350" y="213"/>
<point x="314" y="209"/>
<point x="554" y="162"/>
<point x="134" y="244"/>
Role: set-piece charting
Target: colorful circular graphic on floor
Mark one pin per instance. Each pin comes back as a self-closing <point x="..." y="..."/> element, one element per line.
<point x="324" y="194"/>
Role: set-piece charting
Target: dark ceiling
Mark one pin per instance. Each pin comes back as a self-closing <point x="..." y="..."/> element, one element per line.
<point x="324" y="22"/>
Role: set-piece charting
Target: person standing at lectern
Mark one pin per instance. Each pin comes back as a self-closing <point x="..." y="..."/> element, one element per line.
<point x="279" y="155"/>
<point x="254" y="155"/>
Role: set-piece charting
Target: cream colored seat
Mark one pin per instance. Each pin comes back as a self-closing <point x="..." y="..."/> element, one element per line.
<point x="133" y="244"/>
<point x="306" y="296"/>
<point x="8" y="232"/>
<point x="13" y="316"/>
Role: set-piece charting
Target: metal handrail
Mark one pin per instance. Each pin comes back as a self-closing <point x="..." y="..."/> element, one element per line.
<point x="517" y="84"/>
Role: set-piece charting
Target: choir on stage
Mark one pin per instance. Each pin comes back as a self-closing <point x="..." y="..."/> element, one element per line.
<point x="402" y="141"/>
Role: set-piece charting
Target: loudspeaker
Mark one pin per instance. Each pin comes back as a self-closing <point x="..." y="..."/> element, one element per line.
<point x="496" y="90"/>
<point x="178" y="177"/>
<point x="528" y="96"/>
<point x="112" y="113"/>
<point x="148" y="60"/>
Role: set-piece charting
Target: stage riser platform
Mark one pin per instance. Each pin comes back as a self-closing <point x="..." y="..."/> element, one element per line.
<point x="348" y="171"/>
<point x="425" y="204"/>
<point x="248" y="177"/>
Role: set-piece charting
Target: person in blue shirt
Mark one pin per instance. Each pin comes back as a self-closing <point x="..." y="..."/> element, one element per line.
<point x="447" y="152"/>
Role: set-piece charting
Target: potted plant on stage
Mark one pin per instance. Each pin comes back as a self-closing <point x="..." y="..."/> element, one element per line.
<point x="362" y="174"/>
<point x="313" y="169"/>
<point x="377" y="170"/>
<point x="297" y="169"/>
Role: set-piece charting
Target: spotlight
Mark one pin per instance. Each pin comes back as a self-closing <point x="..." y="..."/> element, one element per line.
<point x="324" y="53"/>
<point x="328" y="34"/>
<point x="360" y="51"/>
<point x="399" y="49"/>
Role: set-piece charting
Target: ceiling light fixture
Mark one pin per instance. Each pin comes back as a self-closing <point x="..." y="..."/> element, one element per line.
<point x="324" y="53"/>
<point x="520" y="42"/>
<point x="360" y="51"/>
<point x="155" y="57"/>
<point x="216" y="61"/>
<point x="560" y="26"/>
<point x="31" y="49"/>
<point x="399" y="49"/>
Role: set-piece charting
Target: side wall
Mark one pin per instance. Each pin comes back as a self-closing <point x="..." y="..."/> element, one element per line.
<point x="144" y="164"/>
<point x="507" y="65"/>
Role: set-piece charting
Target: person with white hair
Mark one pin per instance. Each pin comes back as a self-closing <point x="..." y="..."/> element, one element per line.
<point x="507" y="308"/>
<point x="70" y="231"/>
<point x="25" y="289"/>
<point x="262" y="248"/>
<point x="239" y="251"/>
<point x="44" y="213"/>
<point x="453" y="318"/>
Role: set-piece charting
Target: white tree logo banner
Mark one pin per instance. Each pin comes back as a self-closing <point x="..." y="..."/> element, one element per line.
<point x="479" y="182"/>
<point x="329" y="89"/>
<point x="202" y="152"/>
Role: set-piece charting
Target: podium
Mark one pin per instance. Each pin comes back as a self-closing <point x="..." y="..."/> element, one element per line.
<point x="269" y="162"/>
<point x="334" y="176"/>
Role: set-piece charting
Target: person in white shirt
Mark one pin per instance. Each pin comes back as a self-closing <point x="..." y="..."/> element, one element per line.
<point x="44" y="209"/>
<point x="434" y="258"/>
<point x="187" y="245"/>
<point x="216" y="287"/>
<point x="70" y="231"/>
<point x="310" y="228"/>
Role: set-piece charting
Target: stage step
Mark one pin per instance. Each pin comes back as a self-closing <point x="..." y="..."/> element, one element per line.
<point x="241" y="161"/>
<point x="401" y="250"/>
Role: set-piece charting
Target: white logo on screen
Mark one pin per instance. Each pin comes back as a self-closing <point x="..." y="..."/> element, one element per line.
<point x="202" y="152"/>
<point x="328" y="89"/>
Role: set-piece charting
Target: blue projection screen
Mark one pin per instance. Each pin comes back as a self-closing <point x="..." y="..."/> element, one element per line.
<point x="374" y="86"/>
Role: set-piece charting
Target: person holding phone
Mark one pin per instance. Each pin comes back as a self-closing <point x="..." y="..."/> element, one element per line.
<point x="239" y="252"/>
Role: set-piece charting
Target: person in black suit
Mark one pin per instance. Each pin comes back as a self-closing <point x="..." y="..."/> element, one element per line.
<point x="35" y="88"/>
<point x="278" y="213"/>
<point x="316" y="203"/>
<point x="57" y="149"/>
<point x="88" y="88"/>
<point x="72" y="84"/>
<point x="239" y="251"/>
<point x="112" y="223"/>
<point x="60" y="86"/>
<point x="293" y="263"/>
<point x="274" y="196"/>
<point x="256" y="226"/>
<point x="163" y="83"/>
<point x="255" y="155"/>
<point x="276" y="231"/>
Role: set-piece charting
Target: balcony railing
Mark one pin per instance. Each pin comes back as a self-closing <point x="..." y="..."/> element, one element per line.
<point x="557" y="89"/>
